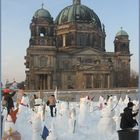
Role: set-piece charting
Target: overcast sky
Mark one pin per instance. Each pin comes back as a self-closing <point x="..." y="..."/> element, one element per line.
<point x="16" y="17"/>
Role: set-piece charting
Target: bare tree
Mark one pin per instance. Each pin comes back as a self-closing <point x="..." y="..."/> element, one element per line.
<point x="134" y="79"/>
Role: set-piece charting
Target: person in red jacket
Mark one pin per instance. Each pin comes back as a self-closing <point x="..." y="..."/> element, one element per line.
<point x="7" y="97"/>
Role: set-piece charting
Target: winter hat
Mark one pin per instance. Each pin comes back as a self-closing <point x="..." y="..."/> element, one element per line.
<point x="6" y="91"/>
<point x="130" y="104"/>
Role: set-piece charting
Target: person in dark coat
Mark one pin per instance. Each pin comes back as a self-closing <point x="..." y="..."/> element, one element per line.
<point x="127" y="117"/>
<point x="7" y="97"/>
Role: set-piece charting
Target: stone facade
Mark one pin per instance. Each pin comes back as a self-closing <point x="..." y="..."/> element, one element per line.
<point x="70" y="52"/>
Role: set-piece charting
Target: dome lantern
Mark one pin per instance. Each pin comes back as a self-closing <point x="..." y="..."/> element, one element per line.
<point x="76" y="1"/>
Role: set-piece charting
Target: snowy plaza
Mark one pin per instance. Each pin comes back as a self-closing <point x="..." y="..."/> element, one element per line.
<point x="84" y="120"/>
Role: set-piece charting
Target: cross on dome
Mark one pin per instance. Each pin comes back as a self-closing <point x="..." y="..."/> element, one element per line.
<point x="42" y="5"/>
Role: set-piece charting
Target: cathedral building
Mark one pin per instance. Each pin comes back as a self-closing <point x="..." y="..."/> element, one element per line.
<point x="69" y="52"/>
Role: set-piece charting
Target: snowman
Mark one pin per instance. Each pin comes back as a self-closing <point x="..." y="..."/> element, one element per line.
<point x="52" y="133"/>
<point x="136" y="108"/>
<point x="126" y="101"/>
<point x="36" y="126"/>
<point x="24" y="104"/>
<point x="39" y="108"/>
<point x="106" y="124"/>
<point x="23" y="117"/>
<point x="63" y="116"/>
<point x="84" y="111"/>
<point x="118" y="110"/>
<point x="72" y="120"/>
<point x="101" y="102"/>
<point x="51" y="136"/>
<point x="3" y="118"/>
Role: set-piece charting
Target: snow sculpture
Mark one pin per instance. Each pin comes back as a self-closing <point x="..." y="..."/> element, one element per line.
<point x="52" y="133"/>
<point x="126" y="100"/>
<point x="83" y="112"/>
<point x="106" y="125"/>
<point x="115" y="100"/>
<point x="24" y="104"/>
<point x="63" y="115"/>
<point x="36" y="127"/>
<point x="136" y="106"/>
<point x="101" y="102"/>
<point x="39" y="108"/>
<point x="51" y="136"/>
<point x="23" y="117"/>
<point x="72" y="121"/>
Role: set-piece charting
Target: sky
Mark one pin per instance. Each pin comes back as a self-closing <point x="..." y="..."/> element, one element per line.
<point x="16" y="17"/>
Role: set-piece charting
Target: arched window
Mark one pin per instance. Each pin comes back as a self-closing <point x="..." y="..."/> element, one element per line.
<point x="42" y="32"/>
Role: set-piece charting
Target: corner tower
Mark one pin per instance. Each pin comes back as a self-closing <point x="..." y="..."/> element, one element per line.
<point x="42" y="28"/>
<point x="41" y="53"/>
<point x="122" y="59"/>
<point x="121" y="42"/>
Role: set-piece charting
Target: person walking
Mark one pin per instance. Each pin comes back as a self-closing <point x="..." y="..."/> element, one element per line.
<point x="52" y="104"/>
<point x="127" y="117"/>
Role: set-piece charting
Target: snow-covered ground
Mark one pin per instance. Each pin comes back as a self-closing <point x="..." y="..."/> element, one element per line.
<point x="84" y="120"/>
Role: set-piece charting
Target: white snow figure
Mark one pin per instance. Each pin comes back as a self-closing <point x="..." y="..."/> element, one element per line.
<point x="91" y="106"/>
<point x="72" y="121"/>
<point x="38" y="101"/>
<point x="136" y="105"/>
<point x="9" y="126"/>
<point x="63" y="116"/>
<point x="23" y="117"/>
<point x="39" y="108"/>
<point x="118" y="110"/>
<point x="121" y="106"/>
<point x="4" y="115"/>
<point x="115" y="100"/>
<point x="106" y="125"/>
<point x="36" y="127"/>
<point x="120" y="101"/>
<point x="51" y="136"/>
<point x="24" y="104"/>
<point x="101" y="102"/>
<point x="110" y="102"/>
<point x="83" y="112"/>
<point x="136" y="108"/>
<point x="52" y="133"/>
<point x="126" y="100"/>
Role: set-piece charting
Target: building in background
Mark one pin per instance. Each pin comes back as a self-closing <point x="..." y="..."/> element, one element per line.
<point x="69" y="52"/>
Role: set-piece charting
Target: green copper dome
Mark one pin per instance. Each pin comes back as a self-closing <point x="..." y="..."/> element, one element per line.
<point x="121" y="33"/>
<point x="77" y="13"/>
<point x="42" y="13"/>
